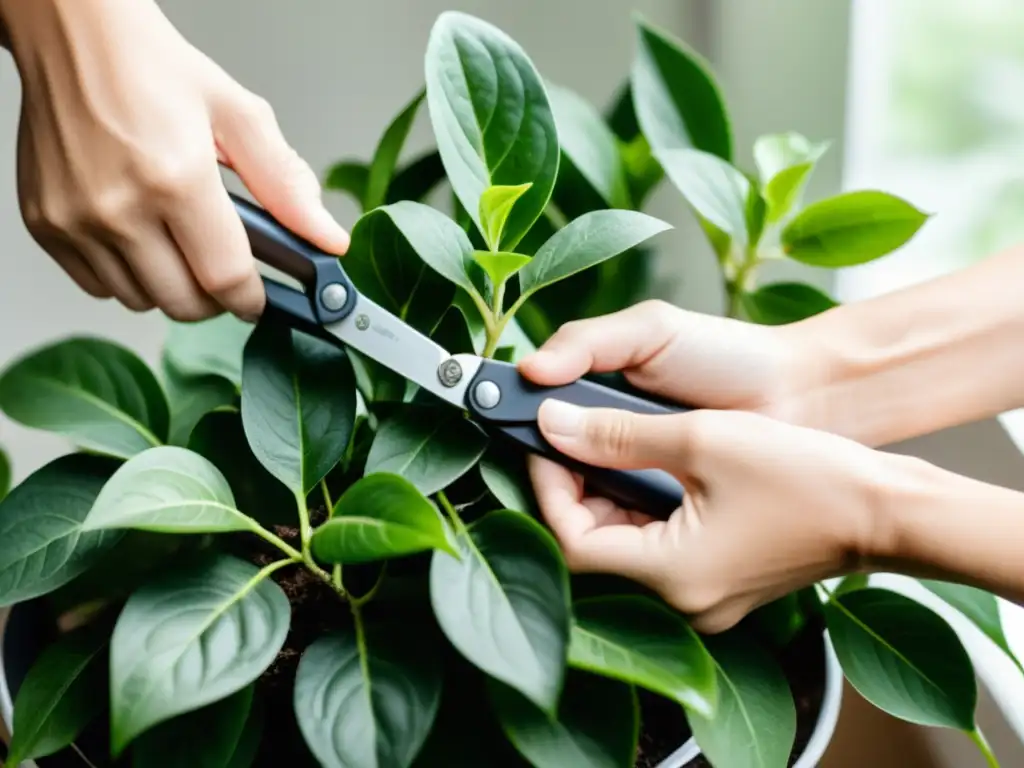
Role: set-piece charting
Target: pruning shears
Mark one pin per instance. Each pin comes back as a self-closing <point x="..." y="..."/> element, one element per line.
<point x="498" y="398"/>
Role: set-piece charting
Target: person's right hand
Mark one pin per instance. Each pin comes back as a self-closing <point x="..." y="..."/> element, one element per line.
<point x="123" y="126"/>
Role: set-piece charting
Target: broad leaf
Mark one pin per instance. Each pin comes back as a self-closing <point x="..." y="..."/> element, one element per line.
<point x="586" y="241"/>
<point x="42" y="544"/>
<point x="500" y="266"/>
<point x="851" y="583"/>
<point x="596" y="726"/>
<point x="851" y="228"/>
<point x="496" y="205"/>
<point x="785" y="161"/>
<point x="903" y="658"/>
<point x="349" y="176"/>
<point x="509" y="482"/>
<point x="217" y="727"/>
<point x="504" y="603"/>
<point x="369" y="696"/>
<point x="95" y="392"/>
<point x="191" y="398"/>
<point x="190" y="638"/>
<point x="248" y="747"/>
<point x="385" y="158"/>
<point x="491" y="118"/>
<point x="754" y="724"/>
<point x="379" y="516"/>
<point x="417" y="179"/>
<point x="782" y="303"/>
<point x="716" y="190"/>
<point x="57" y="699"/>
<point x="634" y="639"/>
<point x="298" y="404"/>
<point x="208" y="348"/>
<point x="678" y="103"/>
<point x="430" y="447"/>
<point x="5" y="474"/>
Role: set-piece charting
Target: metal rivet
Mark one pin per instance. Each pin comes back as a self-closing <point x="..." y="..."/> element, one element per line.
<point x="334" y="296"/>
<point x="362" y="322"/>
<point x="487" y="394"/>
<point x="450" y="372"/>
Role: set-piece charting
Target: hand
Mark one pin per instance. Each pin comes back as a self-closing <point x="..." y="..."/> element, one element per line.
<point x="122" y="127"/>
<point x="769" y="507"/>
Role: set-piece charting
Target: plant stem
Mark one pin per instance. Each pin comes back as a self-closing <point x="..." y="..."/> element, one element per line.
<point x="453" y="515"/>
<point x="359" y="602"/>
<point x="983" y="746"/>
<point x="295" y="556"/>
<point x="327" y="495"/>
<point x="336" y="576"/>
<point x="305" y="529"/>
<point x="739" y="283"/>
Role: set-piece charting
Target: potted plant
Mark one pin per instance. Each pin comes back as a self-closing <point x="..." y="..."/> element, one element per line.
<point x="274" y="552"/>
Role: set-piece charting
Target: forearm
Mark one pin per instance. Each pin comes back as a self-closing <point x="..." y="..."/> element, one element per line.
<point x="943" y="353"/>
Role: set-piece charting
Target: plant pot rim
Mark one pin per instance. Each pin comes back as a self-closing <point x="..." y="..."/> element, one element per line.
<point x="821" y="736"/>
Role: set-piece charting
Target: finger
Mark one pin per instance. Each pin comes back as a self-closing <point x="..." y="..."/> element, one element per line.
<point x="558" y="497"/>
<point x="607" y="512"/>
<point x="78" y="269"/>
<point x="114" y="272"/>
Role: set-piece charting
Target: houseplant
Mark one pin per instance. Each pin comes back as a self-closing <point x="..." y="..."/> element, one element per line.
<point x="274" y="552"/>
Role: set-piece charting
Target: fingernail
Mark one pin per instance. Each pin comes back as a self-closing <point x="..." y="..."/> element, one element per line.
<point x="560" y="418"/>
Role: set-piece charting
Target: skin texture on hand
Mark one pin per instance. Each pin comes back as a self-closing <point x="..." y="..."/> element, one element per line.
<point x="122" y="132"/>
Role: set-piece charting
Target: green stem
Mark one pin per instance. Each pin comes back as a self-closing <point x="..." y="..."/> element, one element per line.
<point x="453" y="515"/>
<point x="336" y="575"/>
<point x="359" y="602"/>
<point x="305" y="528"/>
<point x="327" y="495"/>
<point x="983" y="746"/>
<point x="741" y="281"/>
<point x="295" y="556"/>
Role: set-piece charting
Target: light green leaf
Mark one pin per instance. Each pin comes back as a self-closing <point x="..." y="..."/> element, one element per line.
<point x="851" y="583"/>
<point x="785" y="161"/>
<point x="190" y="638"/>
<point x="500" y="266"/>
<point x="754" y="724"/>
<point x="851" y="228"/>
<point x="368" y="697"/>
<point x="385" y="158"/>
<point x="491" y="118"/>
<point x="903" y="658"/>
<point x="508" y="482"/>
<point x="5" y="474"/>
<point x="586" y="241"/>
<point x="191" y="398"/>
<point x="208" y="348"/>
<point x="634" y="639"/>
<point x="504" y="603"/>
<point x="496" y="204"/>
<point x="349" y="176"/>
<point x="57" y="699"/>
<point x="42" y="544"/>
<point x="782" y="303"/>
<point x="715" y="189"/>
<point x="380" y="516"/>
<point x="95" y="392"/>
<point x="597" y="724"/>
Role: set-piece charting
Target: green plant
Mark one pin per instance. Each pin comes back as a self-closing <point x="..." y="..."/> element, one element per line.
<point x="274" y="542"/>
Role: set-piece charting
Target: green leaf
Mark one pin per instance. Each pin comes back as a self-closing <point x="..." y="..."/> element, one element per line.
<point x="57" y="699"/>
<point x="678" y="103"/>
<point x="635" y="639"/>
<point x="491" y="118"/>
<point x="208" y="348"/>
<point x="190" y="638"/>
<point x="5" y="474"/>
<point x="368" y="696"/>
<point x="42" y="544"/>
<point x="191" y="398"/>
<point x="851" y="583"/>
<point x="95" y="392"/>
<point x="298" y="404"/>
<point x="597" y="724"/>
<point x="509" y="483"/>
<point x="504" y="603"/>
<point x="785" y="161"/>
<point x="385" y="158"/>
<point x="850" y="229"/>
<point x="417" y="179"/>
<point x="903" y="658"/>
<point x="217" y="727"/>
<point x="248" y="746"/>
<point x="715" y="189"/>
<point x="643" y="171"/>
<point x="349" y="176"/>
<point x="782" y="303"/>
<point x="587" y="241"/>
<point x="500" y="266"/>
<point x="496" y="205"/>
<point x="379" y="516"/>
<point x="167" y="490"/>
<point x="430" y="447"/>
<point x="977" y="605"/>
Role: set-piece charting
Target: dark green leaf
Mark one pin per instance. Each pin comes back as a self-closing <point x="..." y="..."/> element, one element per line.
<point x="678" y="103"/>
<point x="505" y="354"/>
<point x="208" y="348"/>
<point x="782" y="303"/>
<point x="491" y="118"/>
<point x="57" y="699"/>
<point x="508" y="482"/>
<point x="500" y="266"/>
<point x="368" y="696"/>
<point x="851" y="228"/>
<point x="5" y="474"/>
<point x="781" y="620"/>
<point x="349" y="176"/>
<point x="190" y="638"/>
<point x="417" y="179"/>
<point x="429" y="447"/>
<point x="637" y="640"/>
<point x="715" y="189"/>
<point x="248" y="746"/>
<point x="385" y="158"/>
<point x="191" y="398"/>
<point x="298" y="404"/>
<point x="496" y="205"/>
<point x="903" y="658"/>
<point x="42" y="545"/>
<point x="96" y="392"/>
<point x="504" y="604"/>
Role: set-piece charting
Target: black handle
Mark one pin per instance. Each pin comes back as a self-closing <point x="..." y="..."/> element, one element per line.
<point x="504" y="402"/>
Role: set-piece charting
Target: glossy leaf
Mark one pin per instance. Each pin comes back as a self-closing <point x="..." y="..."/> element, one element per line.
<point x="596" y="726"/>
<point x="781" y="303"/>
<point x="5" y="474"/>
<point x="851" y="228"/>
<point x="97" y="393"/>
<point x="42" y="544"/>
<point x="500" y="266"/>
<point x="57" y="699"/>
<point x="496" y="205"/>
<point x="903" y="658"/>
<point x="586" y="241"/>
<point x="784" y="162"/>
<point x="491" y="118"/>
<point x="349" y="176"/>
<point x="754" y="724"/>
<point x="716" y="190"/>
<point x="634" y="639"/>
<point x="508" y="482"/>
<point x="368" y="696"/>
<point x="429" y="447"/>
<point x="379" y="516"/>
<point x="190" y="638"/>
<point x="504" y="604"/>
<point x="191" y="398"/>
<point x="298" y="404"/>
<point x="678" y="103"/>
<point x="385" y="157"/>
<point x="208" y="348"/>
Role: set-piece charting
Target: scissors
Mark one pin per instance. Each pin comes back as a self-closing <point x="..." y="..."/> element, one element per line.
<point x="498" y="398"/>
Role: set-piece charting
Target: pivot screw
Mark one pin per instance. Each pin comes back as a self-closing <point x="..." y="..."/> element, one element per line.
<point x="450" y="372"/>
<point x="487" y="394"/>
<point x="362" y="322"/>
<point x="334" y="296"/>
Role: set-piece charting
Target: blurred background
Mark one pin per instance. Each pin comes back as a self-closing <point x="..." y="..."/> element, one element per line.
<point x="922" y="98"/>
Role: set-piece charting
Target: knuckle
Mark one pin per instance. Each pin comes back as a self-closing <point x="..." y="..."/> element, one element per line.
<point x="257" y="109"/>
<point x="225" y="278"/>
<point x="111" y="206"/>
<point x="612" y="434"/>
<point x="173" y="176"/>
